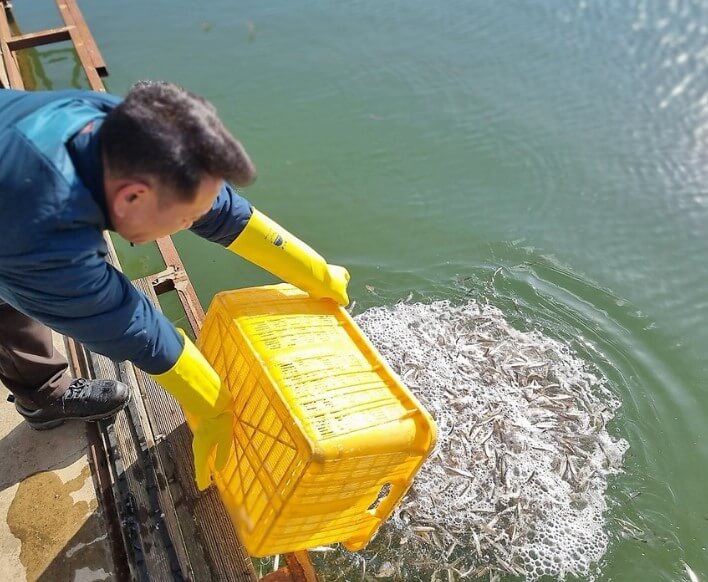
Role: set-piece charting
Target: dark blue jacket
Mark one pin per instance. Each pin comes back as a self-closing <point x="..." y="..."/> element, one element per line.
<point x="52" y="216"/>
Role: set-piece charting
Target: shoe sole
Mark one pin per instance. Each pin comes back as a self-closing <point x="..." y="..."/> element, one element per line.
<point x="49" y="424"/>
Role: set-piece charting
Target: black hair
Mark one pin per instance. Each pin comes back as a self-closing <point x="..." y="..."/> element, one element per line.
<point x="165" y="132"/>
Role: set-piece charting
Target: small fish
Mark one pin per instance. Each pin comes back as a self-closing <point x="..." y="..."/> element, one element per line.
<point x="387" y="570"/>
<point x="489" y="451"/>
<point x="486" y="437"/>
<point x="477" y="545"/>
<point x="475" y="572"/>
<point x="459" y="471"/>
<point x="692" y="576"/>
<point x="321" y="549"/>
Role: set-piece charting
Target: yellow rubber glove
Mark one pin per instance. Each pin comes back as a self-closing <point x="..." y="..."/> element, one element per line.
<point x="268" y="245"/>
<point x="197" y="387"/>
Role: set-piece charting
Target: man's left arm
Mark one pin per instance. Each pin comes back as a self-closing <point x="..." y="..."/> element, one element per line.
<point x="232" y="222"/>
<point x="227" y="218"/>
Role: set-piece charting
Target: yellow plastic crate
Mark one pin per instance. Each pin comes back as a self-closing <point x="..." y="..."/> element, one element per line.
<point x="324" y="428"/>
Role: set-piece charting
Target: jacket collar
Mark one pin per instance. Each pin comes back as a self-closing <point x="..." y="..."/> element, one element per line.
<point x="85" y="151"/>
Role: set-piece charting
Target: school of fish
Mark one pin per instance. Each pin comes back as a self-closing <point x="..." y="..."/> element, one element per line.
<point x="516" y="484"/>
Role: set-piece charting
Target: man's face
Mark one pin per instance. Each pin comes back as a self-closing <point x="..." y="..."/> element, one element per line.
<point x="139" y="214"/>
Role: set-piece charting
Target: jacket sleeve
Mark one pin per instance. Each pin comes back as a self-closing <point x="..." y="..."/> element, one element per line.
<point x="226" y="219"/>
<point x="71" y="289"/>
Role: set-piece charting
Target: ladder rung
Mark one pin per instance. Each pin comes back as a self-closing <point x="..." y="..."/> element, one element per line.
<point x="34" y="39"/>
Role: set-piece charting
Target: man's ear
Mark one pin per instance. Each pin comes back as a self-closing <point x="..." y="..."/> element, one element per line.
<point x="130" y="197"/>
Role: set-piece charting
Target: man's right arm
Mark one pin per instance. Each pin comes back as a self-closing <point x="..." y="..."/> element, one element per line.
<point x="70" y="288"/>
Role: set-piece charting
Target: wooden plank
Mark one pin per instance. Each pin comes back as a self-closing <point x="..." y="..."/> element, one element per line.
<point x="35" y="39"/>
<point x="100" y="469"/>
<point x="202" y="533"/>
<point x="224" y="553"/>
<point x="145" y="540"/>
<point x="162" y="479"/>
<point x="174" y="501"/>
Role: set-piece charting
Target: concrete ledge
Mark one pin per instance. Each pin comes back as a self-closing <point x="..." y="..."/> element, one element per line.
<point x="51" y="525"/>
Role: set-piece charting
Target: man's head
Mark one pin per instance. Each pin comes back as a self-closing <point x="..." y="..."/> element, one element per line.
<point x="166" y="154"/>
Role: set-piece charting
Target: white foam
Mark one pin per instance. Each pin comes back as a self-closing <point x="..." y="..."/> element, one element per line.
<point x="517" y="480"/>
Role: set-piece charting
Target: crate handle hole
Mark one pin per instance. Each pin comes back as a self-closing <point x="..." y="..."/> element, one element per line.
<point x="383" y="493"/>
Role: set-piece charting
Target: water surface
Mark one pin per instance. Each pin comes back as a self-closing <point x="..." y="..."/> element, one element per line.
<point x="549" y="157"/>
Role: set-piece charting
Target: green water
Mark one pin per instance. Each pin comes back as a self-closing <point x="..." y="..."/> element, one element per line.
<point x="551" y="157"/>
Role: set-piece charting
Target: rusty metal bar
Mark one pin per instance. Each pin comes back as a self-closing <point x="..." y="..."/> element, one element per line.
<point x="299" y="568"/>
<point x="85" y="34"/>
<point x="12" y="69"/>
<point x="280" y="575"/>
<point x="35" y="39"/>
<point x="4" y="81"/>
<point x="181" y="283"/>
<point x="68" y="11"/>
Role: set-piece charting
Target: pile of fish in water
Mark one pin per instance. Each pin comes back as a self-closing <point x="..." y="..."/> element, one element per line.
<point x="516" y="484"/>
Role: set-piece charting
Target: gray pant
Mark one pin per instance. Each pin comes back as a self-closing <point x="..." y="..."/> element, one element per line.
<point x="30" y="367"/>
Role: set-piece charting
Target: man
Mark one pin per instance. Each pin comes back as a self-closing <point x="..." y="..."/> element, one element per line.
<point x="76" y="163"/>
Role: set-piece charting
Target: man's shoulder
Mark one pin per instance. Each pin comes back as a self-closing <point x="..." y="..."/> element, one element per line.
<point x="40" y="98"/>
<point x="17" y="105"/>
<point x="35" y="197"/>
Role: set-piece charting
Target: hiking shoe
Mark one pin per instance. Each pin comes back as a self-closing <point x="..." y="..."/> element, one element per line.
<point x="83" y="400"/>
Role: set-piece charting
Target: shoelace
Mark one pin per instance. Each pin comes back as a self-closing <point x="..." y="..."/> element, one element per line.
<point x="77" y="389"/>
